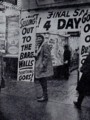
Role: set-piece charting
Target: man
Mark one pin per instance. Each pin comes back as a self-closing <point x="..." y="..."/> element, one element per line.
<point x="67" y="57"/>
<point x="43" y="67"/>
<point x="83" y="86"/>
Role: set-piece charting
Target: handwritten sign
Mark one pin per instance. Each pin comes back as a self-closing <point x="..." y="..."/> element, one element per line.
<point x="70" y="22"/>
<point x="26" y="48"/>
<point x="60" y="20"/>
<point x="85" y="37"/>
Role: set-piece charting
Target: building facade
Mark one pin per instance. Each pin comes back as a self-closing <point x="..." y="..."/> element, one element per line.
<point x="60" y="22"/>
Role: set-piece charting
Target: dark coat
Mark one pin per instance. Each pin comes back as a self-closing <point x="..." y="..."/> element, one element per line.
<point x="43" y="67"/>
<point x="84" y="83"/>
<point x="67" y="56"/>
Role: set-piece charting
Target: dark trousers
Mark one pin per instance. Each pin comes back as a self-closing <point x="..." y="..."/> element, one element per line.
<point x="43" y="83"/>
<point x="80" y="98"/>
<point x="66" y="71"/>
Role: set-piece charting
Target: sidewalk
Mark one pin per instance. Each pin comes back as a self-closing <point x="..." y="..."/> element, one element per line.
<point x="18" y="101"/>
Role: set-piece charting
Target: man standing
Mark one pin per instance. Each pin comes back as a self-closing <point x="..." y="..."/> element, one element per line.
<point x="43" y="66"/>
<point x="67" y="57"/>
<point x="83" y="86"/>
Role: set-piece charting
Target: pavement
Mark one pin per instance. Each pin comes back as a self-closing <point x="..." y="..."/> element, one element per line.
<point x="18" y="101"/>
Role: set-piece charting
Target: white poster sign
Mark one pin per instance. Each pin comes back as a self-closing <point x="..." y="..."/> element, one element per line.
<point x="85" y="37"/>
<point x="64" y="21"/>
<point x="73" y="22"/>
<point x="61" y="22"/>
<point x="26" y="59"/>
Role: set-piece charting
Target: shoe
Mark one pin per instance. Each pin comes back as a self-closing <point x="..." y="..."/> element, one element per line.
<point x="38" y="97"/>
<point x="77" y="105"/>
<point x="42" y="99"/>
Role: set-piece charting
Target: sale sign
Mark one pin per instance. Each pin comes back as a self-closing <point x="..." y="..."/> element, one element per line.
<point x="64" y="26"/>
<point x="27" y="48"/>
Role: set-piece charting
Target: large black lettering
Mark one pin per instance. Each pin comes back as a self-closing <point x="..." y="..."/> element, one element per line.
<point x="87" y="28"/>
<point x="24" y="31"/>
<point x="26" y="55"/>
<point x="76" y="12"/>
<point x="86" y="17"/>
<point x="26" y="77"/>
<point x="27" y="22"/>
<point x="27" y="30"/>
<point x="20" y="64"/>
<point x="22" y="77"/>
<point x="47" y="25"/>
<point x="50" y="14"/>
<point x="77" y="21"/>
<point x="81" y="12"/>
<point x="87" y="38"/>
<point x="26" y="39"/>
<point x="70" y="24"/>
<point x="65" y="14"/>
<point x="27" y="63"/>
<point x="84" y="49"/>
<point x="26" y="47"/>
<point x="61" y="23"/>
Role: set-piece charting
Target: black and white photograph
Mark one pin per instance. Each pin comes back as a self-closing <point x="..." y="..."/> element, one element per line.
<point x="44" y="59"/>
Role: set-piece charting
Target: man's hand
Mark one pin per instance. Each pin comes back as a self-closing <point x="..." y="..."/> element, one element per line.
<point x="66" y="62"/>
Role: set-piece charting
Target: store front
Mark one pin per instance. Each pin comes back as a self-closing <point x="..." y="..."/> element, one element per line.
<point x="12" y="45"/>
<point x="9" y="39"/>
<point x="63" y="26"/>
<point x="59" y="26"/>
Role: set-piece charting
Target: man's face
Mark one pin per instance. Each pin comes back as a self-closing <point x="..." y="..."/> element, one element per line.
<point x="39" y="41"/>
